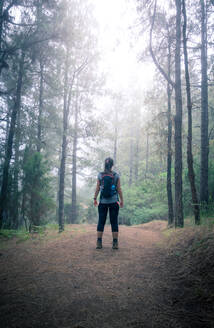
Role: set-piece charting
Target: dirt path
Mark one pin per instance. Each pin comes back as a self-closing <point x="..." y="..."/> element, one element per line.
<point x="65" y="282"/>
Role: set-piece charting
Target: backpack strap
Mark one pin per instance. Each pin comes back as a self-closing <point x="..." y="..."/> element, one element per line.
<point x="112" y="174"/>
<point x="103" y="174"/>
<point x="115" y="178"/>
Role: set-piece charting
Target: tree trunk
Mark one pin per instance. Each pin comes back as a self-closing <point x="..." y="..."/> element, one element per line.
<point x="191" y="173"/>
<point x="204" y="194"/>
<point x="147" y="154"/>
<point x="16" y="108"/>
<point x="74" y="169"/>
<point x="169" y="143"/>
<point x="179" y="220"/>
<point x="23" y="207"/>
<point x="15" y="219"/>
<point x="64" y="149"/>
<point x="39" y="129"/>
<point x="57" y="193"/>
<point x="170" y="84"/>
<point x="9" y="110"/>
<point x="1" y="22"/>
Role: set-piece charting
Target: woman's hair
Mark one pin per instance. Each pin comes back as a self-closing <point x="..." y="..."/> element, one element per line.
<point x="108" y="164"/>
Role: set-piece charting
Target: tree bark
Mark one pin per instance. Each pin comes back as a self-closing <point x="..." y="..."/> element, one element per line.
<point x="16" y="108"/>
<point x="169" y="143"/>
<point x="74" y="168"/>
<point x="1" y="23"/>
<point x="15" y="218"/>
<point x="23" y="206"/>
<point x="204" y="194"/>
<point x="179" y="220"/>
<point x="159" y="67"/>
<point x="39" y="129"/>
<point x="147" y="154"/>
<point x="64" y="149"/>
<point x="191" y="173"/>
<point x="170" y="85"/>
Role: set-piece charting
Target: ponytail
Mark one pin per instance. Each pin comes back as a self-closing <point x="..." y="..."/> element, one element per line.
<point x="108" y="164"/>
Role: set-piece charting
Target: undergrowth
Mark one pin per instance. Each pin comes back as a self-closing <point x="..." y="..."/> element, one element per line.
<point x="6" y="234"/>
<point x="189" y="268"/>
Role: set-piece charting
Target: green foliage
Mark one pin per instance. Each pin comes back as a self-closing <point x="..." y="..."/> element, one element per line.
<point x="6" y="234"/>
<point x="80" y="210"/>
<point x="144" y="202"/>
<point x="52" y="226"/>
<point x="36" y="188"/>
<point x="91" y="213"/>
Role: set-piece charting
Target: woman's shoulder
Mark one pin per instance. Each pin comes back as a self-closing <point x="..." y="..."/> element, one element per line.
<point x="100" y="174"/>
<point x="116" y="174"/>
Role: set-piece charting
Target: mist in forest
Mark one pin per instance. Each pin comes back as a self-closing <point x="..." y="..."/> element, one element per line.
<point x="83" y="80"/>
<point x="83" y="84"/>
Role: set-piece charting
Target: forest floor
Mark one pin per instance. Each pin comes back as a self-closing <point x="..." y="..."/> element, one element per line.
<point x="61" y="280"/>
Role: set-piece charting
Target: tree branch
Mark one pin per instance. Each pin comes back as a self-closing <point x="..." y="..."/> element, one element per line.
<point x="161" y="70"/>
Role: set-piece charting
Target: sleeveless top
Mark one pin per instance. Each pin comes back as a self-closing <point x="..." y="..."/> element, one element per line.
<point x="114" y="198"/>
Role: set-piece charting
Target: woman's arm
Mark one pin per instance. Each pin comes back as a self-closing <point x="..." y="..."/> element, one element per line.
<point x="120" y="192"/>
<point x="96" y="192"/>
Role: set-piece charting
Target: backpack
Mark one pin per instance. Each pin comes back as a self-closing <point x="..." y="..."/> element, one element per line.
<point x="108" y="184"/>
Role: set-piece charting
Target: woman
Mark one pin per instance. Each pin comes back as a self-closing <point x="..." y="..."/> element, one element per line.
<point x="108" y="184"/>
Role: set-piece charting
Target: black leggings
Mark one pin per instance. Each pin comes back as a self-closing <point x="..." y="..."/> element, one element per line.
<point x="113" y="214"/>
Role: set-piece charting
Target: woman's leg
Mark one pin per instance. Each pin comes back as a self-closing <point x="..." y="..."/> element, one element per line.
<point x="113" y="213"/>
<point x="102" y="210"/>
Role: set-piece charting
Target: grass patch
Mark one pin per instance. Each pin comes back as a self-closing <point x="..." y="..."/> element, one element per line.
<point x="8" y="235"/>
<point x="40" y="234"/>
<point x="52" y="226"/>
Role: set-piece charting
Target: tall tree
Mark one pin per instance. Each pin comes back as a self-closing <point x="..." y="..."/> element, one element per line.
<point x="64" y="144"/>
<point x="74" y="163"/>
<point x="179" y="219"/>
<point x="41" y="92"/>
<point x="169" y="136"/>
<point x="170" y="86"/>
<point x="15" y="211"/>
<point x="191" y="173"/>
<point x="1" y="21"/>
<point x="16" y="109"/>
<point x="204" y="195"/>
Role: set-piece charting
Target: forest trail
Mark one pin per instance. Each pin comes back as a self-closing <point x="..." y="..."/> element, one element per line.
<point x="65" y="282"/>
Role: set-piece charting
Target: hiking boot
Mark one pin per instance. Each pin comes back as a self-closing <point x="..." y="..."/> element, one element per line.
<point x="99" y="244"/>
<point x="115" y="244"/>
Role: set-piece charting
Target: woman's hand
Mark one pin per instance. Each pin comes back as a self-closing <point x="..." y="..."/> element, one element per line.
<point x="95" y="202"/>
<point x="121" y="204"/>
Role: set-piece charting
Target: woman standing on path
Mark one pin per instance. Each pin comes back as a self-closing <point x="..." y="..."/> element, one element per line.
<point x="108" y="183"/>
